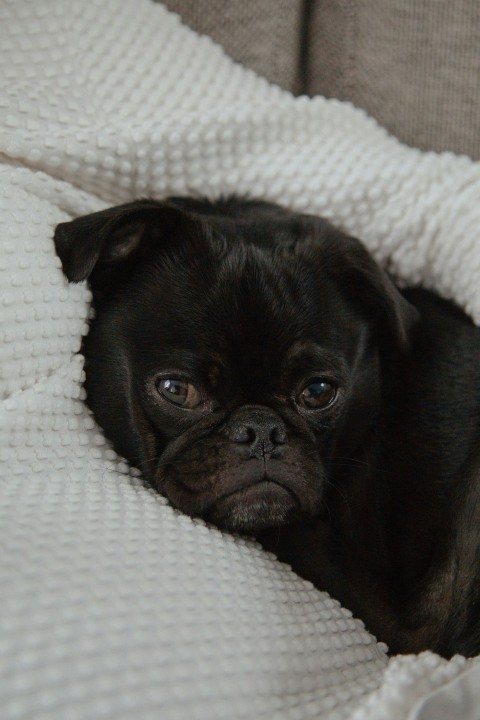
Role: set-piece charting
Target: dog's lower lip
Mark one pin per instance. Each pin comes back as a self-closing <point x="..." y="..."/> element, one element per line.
<point x="254" y="506"/>
<point x="264" y="482"/>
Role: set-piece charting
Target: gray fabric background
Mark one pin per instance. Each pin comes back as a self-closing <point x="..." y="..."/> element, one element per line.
<point x="265" y="36"/>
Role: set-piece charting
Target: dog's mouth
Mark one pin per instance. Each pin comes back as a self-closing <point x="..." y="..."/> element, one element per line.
<point x="242" y="495"/>
<point x="254" y="506"/>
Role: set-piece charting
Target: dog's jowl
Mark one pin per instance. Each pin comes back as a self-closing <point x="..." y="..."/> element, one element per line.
<point x="265" y="374"/>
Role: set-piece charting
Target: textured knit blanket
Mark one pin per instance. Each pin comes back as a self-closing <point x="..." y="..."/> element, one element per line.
<point x="113" y="605"/>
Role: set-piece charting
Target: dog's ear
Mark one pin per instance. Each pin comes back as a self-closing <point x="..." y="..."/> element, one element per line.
<point x="363" y="281"/>
<point x="113" y="236"/>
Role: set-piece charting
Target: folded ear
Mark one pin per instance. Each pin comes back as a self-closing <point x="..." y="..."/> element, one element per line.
<point x="364" y="283"/>
<point x="367" y="283"/>
<point x="126" y="232"/>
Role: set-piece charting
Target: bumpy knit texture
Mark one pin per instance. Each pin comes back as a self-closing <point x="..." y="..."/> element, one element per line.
<point x="113" y="605"/>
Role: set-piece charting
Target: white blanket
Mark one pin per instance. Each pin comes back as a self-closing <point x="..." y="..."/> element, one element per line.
<point x="112" y="604"/>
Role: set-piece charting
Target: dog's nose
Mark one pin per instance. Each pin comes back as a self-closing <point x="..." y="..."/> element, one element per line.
<point x="258" y="429"/>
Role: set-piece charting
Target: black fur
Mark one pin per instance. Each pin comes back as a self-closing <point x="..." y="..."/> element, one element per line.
<point x="324" y="411"/>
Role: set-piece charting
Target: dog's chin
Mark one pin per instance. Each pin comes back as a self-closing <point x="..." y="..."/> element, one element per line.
<point x="249" y="510"/>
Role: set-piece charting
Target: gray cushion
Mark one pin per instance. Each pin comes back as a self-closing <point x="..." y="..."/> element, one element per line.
<point x="265" y="36"/>
<point x="414" y="66"/>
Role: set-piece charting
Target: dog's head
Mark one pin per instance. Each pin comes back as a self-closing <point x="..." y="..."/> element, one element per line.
<point x="235" y="352"/>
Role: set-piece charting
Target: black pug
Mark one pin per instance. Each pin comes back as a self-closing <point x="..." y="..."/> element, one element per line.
<point x="265" y="374"/>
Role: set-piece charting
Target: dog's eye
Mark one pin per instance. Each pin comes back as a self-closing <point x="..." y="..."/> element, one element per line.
<point x="179" y="392"/>
<point x="318" y="394"/>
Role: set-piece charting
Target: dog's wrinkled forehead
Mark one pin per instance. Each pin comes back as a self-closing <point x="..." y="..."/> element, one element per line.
<point x="249" y="309"/>
<point x="239" y="279"/>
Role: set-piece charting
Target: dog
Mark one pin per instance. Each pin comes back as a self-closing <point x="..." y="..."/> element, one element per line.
<point x="266" y="375"/>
